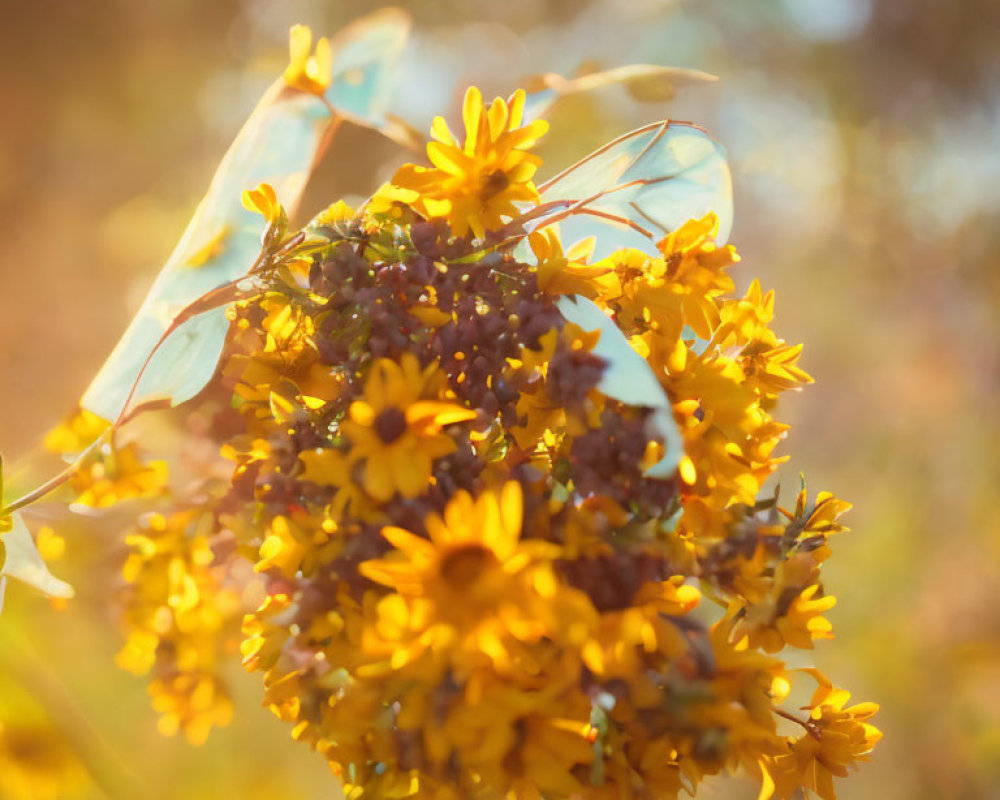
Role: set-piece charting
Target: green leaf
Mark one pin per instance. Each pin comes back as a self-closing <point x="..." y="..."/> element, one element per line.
<point x="365" y="56"/>
<point x="20" y="559"/>
<point x="630" y="193"/>
<point x="279" y="144"/>
<point x="25" y="563"/>
<point x="628" y="378"/>
<point x="276" y="146"/>
<point x="639" y="187"/>
<point x="648" y="83"/>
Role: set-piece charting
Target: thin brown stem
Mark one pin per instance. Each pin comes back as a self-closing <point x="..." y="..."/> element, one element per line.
<point x="810" y="728"/>
<point x="227" y="292"/>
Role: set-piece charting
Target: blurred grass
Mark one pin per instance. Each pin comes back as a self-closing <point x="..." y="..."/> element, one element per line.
<point x="863" y="142"/>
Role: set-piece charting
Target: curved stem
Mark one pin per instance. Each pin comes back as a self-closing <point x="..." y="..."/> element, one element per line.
<point x="207" y="302"/>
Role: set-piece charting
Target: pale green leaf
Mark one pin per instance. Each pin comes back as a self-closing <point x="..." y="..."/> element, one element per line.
<point x="628" y="378"/>
<point x="365" y="56"/>
<point x="648" y="83"/>
<point x="25" y="563"/>
<point x="655" y="178"/>
<point x="278" y="145"/>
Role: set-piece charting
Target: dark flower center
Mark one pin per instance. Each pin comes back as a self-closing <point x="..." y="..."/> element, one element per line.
<point x="390" y="424"/>
<point x="463" y="565"/>
<point x="493" y="184"/>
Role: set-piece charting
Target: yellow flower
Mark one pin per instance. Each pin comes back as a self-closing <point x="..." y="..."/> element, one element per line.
<point x="308" y="71"/>
<point x="537" y="412"/>
<point x="476" y="184"/>
<point x="770" y="365"/>
<point x="326" y="466"/>
<point x="180" y="619"/>
<point x="263" y="201"/>
<point x="776" y="622"/>
<point x="474" y="578"/>
<point x="396" y="429"/>
<point x="792" y="611"/>
<point x="821" y="519"/>
<point x="727" y="439"/>
<point x="75" y="433"/>
<point x="38" y="763"/>
<point x="282" y="548"/>
<point x="296" y="543"/>
<point x="474" y="539"/>
<point x="119" y="475"/>
<point x="626" y="637"/>
<point x="567" y="272"/>
<point x="837" y="738"/>
<point x="679" y="289"/>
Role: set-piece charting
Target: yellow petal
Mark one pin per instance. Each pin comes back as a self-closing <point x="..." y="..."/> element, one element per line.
<point x="472" y="108"/>
<point x="434" y="414"/>
<point x="362" y="413"/>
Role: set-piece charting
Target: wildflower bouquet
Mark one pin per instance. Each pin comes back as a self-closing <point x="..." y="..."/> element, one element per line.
<point x="492" y="521"/>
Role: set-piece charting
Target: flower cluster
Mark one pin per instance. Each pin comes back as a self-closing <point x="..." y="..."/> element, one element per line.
<point x="471" y="573"/>
<point x="181" y="616"/>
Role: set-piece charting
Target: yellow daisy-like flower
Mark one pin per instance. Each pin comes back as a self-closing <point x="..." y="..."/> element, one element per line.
<point x="192" y="703"/>
<point x="396" y="428"/>
<point x="472" y="540"/>
<point x="332" y="214"/>
<point x="473" y="576"/>
<point x="475" y="185"/>
<point x="308" y="71"/>
<point x="791" y="612"/>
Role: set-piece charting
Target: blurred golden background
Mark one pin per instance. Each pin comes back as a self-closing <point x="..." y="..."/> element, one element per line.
<point x="863" y="138"/>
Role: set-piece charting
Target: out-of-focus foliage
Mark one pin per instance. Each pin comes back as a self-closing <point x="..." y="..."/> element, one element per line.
<point x="862" y="137"/>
